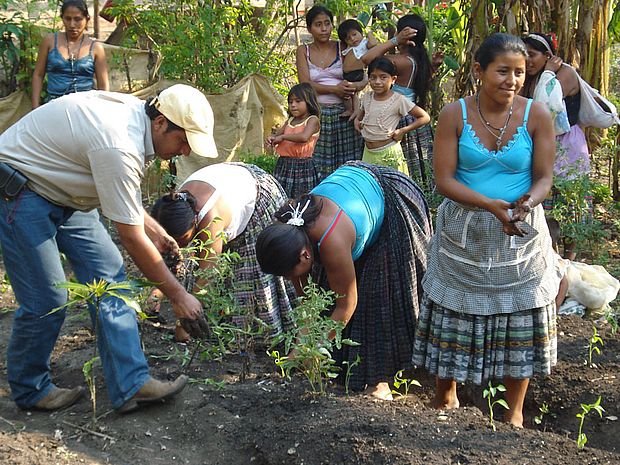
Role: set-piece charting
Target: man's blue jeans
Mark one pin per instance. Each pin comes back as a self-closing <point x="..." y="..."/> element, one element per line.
<point x="33" y="232"/>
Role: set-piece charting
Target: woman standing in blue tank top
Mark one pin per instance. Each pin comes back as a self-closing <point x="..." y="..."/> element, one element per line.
<point x="70" y="60"/>
<point x="368" y="228"/>
<point x="488" y="311"/>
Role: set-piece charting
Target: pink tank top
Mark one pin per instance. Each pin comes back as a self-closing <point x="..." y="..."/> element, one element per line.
<point x="330" y="76"/>
<point x="291" y="149"/>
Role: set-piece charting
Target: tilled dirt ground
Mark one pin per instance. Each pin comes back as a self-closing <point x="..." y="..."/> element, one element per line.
<point x="266" y="420"/>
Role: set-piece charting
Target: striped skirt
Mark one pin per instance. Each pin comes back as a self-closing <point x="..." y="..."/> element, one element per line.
<point x="418" y="150"/>
<point x="389" y="275"/>
<point x="338" y="142"/>
<point x="477" y="348"/>
<point x="296" y="175"/>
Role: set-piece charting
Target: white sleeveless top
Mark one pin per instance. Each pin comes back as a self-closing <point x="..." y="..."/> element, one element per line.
<point x="236" y="186"/>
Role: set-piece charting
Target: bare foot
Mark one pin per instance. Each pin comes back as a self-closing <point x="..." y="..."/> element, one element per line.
<point x="514" y="419"/>
<point x="445" y="395"/>
<point x="381" y="391"/>
<point x="445" y="404"/>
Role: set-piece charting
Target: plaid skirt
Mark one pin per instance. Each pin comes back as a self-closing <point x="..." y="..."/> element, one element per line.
<point x="266" y="296"/>
<point x="418" y="150"/>
<point x="296" y="175"/>
<point x="338" y="142"/>
<point x="389" y="275"/>
<point x="477" y="348"/>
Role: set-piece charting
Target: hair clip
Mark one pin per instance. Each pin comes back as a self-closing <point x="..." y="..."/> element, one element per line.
<point x="182" y="196"/>
<point x="297" y="214"/>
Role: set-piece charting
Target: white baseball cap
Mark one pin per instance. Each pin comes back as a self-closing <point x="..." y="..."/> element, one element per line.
<point x="189" y="109"/>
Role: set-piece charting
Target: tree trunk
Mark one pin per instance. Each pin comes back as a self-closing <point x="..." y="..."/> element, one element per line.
<point x="478" y="30"/>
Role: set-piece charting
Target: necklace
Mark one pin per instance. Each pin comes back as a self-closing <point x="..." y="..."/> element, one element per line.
<point x="488" y="126"/>
<point x="72" y="56"/>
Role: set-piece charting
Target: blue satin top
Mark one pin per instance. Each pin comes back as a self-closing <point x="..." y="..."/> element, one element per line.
<point x="360" y="196"/>
<point x="505" y="174"/>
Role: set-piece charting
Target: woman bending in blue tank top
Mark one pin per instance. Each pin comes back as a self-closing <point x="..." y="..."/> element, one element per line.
<point x="368" y="228"/>
<point x="488" y="311"/>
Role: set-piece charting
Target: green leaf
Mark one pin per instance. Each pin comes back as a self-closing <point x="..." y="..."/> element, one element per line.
<point x="451" y="63"/>
<point x="613" y="28"/>
<point x="503" y="403"/>
<point x="501" y="388"/>
<point x="581" y="440"/>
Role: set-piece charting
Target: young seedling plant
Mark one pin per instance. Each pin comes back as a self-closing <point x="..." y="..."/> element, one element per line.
<point x="543" y="410"/>
<point x="94" y="294"/>
<point x="489" y="395"/>
<point x="406" y="384"/>
<point x="309" y="345"/>
<point x="347" y="375"/>
<point x="593" y="345"/>
<point x="232" y="327"/>
<point x="585" y="409"/>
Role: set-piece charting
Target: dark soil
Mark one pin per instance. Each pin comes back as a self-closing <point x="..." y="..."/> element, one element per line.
<point x="266" y="420"/>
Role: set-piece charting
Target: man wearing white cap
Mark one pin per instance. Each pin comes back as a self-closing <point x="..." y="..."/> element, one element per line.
<point x="58" y="164"/>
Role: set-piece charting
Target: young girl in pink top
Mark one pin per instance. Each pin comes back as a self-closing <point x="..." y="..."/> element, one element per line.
<point x="294" y="142"/>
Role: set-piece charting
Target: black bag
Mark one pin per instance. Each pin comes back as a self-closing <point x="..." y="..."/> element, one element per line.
<point x="11" y="181"/>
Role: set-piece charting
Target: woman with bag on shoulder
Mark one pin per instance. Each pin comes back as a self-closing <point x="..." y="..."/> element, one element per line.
<point x="556" y="84"/>
<point x="573" y="104"/>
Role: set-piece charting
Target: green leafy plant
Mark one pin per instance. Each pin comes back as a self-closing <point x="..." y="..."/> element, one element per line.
<point x="347" y="375"/>
<point x="489" y="394"/>
<point x="233" y="329"/>
<point x="20" y="36"/>
<point x="582" y="439"/>
<point x="612" y="318"/>
<point x="218" y="385"/>
<point x="405" y="383"/>
<point x="94" y="294"/>
<point x="211" y="44"/>
<point x="593" y="345"/>
<point x="573" y="209"/>
<point x="543" y="410"/>
<point x="265" y="161"/>
<point x="312" y="340"/>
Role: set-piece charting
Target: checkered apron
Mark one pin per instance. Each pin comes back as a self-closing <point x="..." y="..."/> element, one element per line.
<point x="489" y="304"/>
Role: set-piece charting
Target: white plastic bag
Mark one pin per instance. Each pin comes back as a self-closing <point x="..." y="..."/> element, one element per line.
<point x="591" y="113"/>
<point x="591" y="285"/>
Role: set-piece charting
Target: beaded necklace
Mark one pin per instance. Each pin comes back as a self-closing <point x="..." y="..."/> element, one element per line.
<point x="488" y="126"/>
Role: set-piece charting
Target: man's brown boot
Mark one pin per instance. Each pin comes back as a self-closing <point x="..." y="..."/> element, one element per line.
<point x="153" y="391"/>
<point x="59" y="398"/>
